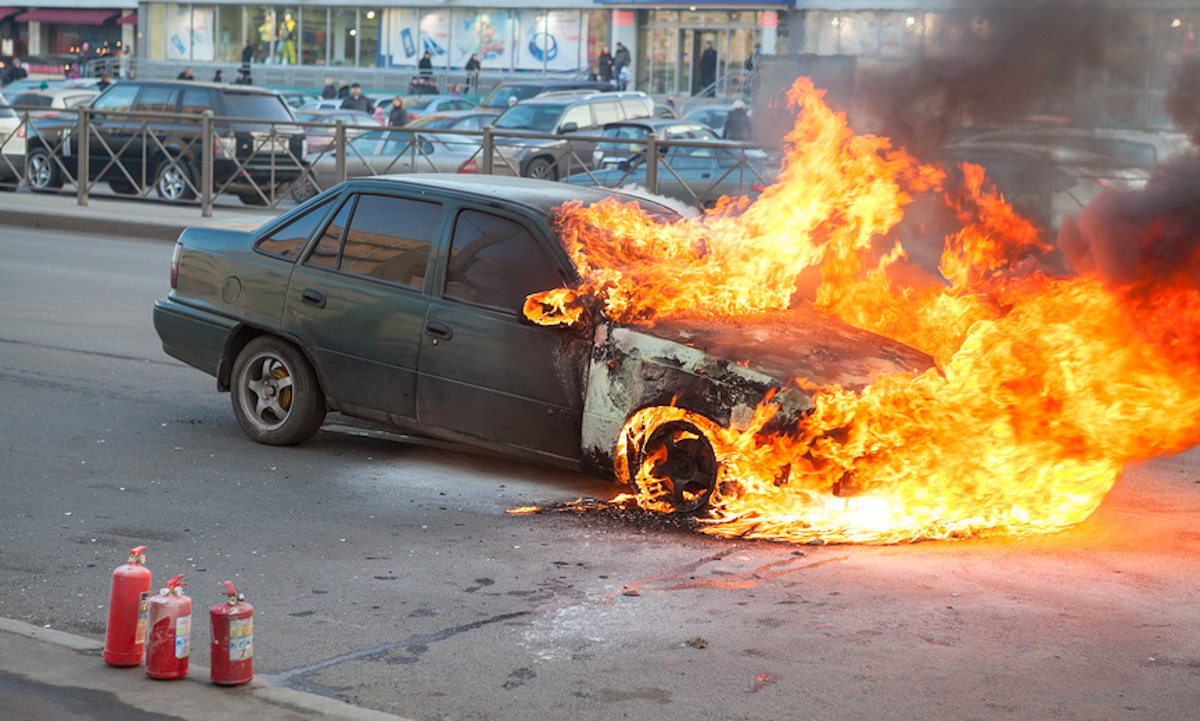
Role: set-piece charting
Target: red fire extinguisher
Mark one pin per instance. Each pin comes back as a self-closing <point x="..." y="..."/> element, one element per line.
<point x="232" y="639"/>
<point x="170" y="621"/>
<point x="126" y="632"/>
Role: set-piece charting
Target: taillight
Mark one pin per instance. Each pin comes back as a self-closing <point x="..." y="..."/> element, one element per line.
<point x="758" y="188"/>
<point x="468" y="167"/>
<point x="413" y="116"/>
<point x="175" y="265"/>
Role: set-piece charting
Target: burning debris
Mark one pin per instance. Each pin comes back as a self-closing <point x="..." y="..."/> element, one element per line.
<point x="1046" y="384"/>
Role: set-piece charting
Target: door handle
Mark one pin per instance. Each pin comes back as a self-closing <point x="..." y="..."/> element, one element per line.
<point x="313" y="297"/>
<point x="438" y="330"/>
<point x="706" y="175"/>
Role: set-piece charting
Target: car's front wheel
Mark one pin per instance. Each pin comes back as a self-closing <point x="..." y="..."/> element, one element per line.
<point x="174" y="182"/>
<point x="252" y="199"/>
<point x="42" y="171"/>
<point x="304" y="189"/>
<point x="275" y="393"/>
<point x="671" y="462"/>
<point x="540" y="168"/>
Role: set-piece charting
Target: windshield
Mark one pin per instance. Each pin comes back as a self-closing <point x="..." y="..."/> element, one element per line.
<point x="539" y="117"/>
<point x="501" y="95"/>
<point x="256" y="106"/>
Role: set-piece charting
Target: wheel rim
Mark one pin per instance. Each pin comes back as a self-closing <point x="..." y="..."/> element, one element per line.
<point x="678" y="467"/>
<point x="539" y="169"/>
<point x="39" y="170"/>
<point x="172" y="182"/>
<point x="267" y="391"/>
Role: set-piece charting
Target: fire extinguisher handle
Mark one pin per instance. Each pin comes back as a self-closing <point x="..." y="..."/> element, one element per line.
<point x="175" y="582"/>
<point x="137" y="551"/>
<point x="230" y="589"/>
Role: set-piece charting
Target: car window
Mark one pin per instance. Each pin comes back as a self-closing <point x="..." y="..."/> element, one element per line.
<point x="259" y="106"/>
<point x="329" y="247"/>
<point x="5" y="112"/>
<point x="581" y="115"/>
<point x="462" y="105"/>
<point x="33" y="100"/>
<point x="195" y="102"/>
<point x="118" y="98"/>
<point x="390" y="239"/>
<point x="155" y="99"/>
<point x="541" y="118"/>
<point x="471" y="122"/>
<point x="288" y="241"/>
<point x="496" y="262"/>
<point x="607" y="112"/>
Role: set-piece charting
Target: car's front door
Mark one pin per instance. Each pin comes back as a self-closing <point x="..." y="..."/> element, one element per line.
<point x="358" y="300"/>
<point x="485" y="373"/>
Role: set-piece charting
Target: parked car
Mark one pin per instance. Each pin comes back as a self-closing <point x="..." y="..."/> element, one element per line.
<point x="298" y="98"/>
<point x="625" y="139"/>
<point x="420" y="325"/>
<point x="318" y="140"/>
<point x="12" y="146"/>
<point x="580" y="115"/>
<point x="504" y="95"/>
<point x="258" y="150"/>
<point x="698" y="176"/>
<point x="40" y="103"/>
<point x="711" y="115"/>
<point x="419" y="105"/>
<point x="398" y="151"/>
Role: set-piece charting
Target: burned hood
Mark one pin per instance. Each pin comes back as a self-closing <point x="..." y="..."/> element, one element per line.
<point x="796" y="343"/>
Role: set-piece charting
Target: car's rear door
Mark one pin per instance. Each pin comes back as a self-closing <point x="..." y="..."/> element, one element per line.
<point x="484" y="372"/>
<point x="358" y="300"/>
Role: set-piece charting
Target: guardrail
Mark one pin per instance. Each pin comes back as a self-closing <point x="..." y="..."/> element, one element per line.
<point x="194" y="158"/>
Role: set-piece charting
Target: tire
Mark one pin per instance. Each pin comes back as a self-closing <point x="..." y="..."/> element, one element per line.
<point x="683" y="468"/>
<point x="174" y="182"/>
<point x="252" y="199"/>
<point x="275" y="393"/>
<point x="303" y="189"/>
<point x="42" y="172"/>
<point x="541" y="168"/>
<point x="122" y="187"/>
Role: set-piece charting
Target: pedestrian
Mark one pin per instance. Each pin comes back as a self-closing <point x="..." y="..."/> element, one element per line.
<point x="426" y="65"/>
<point x="13" y="73"/>
<point x="218" y="77"/>
<point x="397" y="116"/>
<point x="605" y="65"/>
<point x="185" y="75"/>
<point x="247" y="57"/>
<point x="623" y="78"/>
<point x="343" y="89"/>
<point x="737" y="123"/>
<point x="473" y="68"/>
<point x="243" y="78"/>
<point x="621" y="60"/>
<point x="671" y="102"/>
<point x="105" y="81"/>
<point x="708" y="70"/>
<point x="455" y="91"/>
<point x="357" y="101"/>
<point x="329" y="92"/>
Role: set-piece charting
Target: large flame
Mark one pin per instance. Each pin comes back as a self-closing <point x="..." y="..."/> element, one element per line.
<point x="1047" y="382"/>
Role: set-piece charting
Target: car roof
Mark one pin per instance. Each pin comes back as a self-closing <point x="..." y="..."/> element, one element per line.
<point x="656" y="123"/>
<point x="542" y="196"/>
<point x="586" y="96"/>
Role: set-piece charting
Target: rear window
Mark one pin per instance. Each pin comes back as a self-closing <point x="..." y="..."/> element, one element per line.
<point x="29" y="100"/>
<point x="257" y="106"/>
<point x="501" y="95"/>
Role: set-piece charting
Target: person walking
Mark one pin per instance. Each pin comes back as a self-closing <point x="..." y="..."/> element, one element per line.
<point x="186" y="75"/>
<point x="473" y="67"/>
<point x="357" y="101"/>
<point x="105" y="81"/>
<point x="219" y="76"/>
<point x="14" y="72"/>
<point x="343" y="90"/>
<point x="621" y="61"/>
<point x="247" y="58"/>
<point x="605" y="65"/>
<point x="708" y="70"/>
<point x="425" y="65"/>
<point x="329" y="92"/>
<point x="397" y="116"/>
<point x="737" y="123"/>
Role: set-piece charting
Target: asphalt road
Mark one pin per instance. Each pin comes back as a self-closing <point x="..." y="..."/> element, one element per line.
<point x="389" y="575"/>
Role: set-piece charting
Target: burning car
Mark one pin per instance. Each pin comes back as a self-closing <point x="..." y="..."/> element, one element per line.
<point x="428" y="325"/>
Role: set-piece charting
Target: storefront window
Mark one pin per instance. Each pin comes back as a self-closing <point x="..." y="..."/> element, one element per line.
<point x="486" y="33"/>
<point x="229" y="33"/>
<point x="153" y="32"/>
<point x="369" y="55"/>
<point x="262" y="25"/>
<point x="596" y="31"/>
<point x="343" y="36"/>
<point x="664" y="59"/>
<point x="435" y="37"/>
<point x="900" y="34"/>
<point x="400" y="34"/>
<point x="859" y="34"/>
<point x="314" y="36"/>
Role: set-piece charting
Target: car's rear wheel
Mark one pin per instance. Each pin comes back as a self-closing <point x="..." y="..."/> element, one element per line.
<point x="303" y="189"/>
<point x="41" y="171"/>
<point x="174" y="182"/>
<point x="252" y="199"/>
<point x="673" y="465"/>
<point x="540" y="168"/>
<point x="275" y="393"/>
<point x="123" y="187"/>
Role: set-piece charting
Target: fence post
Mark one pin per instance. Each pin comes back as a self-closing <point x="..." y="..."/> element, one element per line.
<point x="489" y="147"/>
<point x="207" y="151"/>
<point x="83" y="148"/>
<point x="339" y="151"/>
<point x="652" y="163"/>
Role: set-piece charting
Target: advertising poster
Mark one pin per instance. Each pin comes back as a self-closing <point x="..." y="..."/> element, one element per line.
<point x="189" y="33"/>
<point x="548" y="40"/>
<point x="203" y="48"/>
<point x="435" y="37"/>
<point x="486" y="32"/>
<point x="401" y="33"/>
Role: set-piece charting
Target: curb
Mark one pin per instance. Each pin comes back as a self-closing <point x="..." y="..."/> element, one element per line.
<point x="93" y="224"/>
<point x="256" y="691"/>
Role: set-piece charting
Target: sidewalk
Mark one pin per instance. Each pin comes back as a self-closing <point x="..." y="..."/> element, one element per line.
<point x="47" y="675"/>
<point x="122" y="217"/>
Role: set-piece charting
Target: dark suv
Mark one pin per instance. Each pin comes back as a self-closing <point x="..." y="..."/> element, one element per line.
<point x="505" y="94"/>
<point x="256" y="154"/>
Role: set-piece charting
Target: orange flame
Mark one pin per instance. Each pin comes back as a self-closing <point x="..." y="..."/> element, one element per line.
<point x="1049" y="383"/>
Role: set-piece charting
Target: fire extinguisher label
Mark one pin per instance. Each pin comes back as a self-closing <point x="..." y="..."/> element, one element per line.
<point x="143" y="610"/>
<point x="241" y="639"/>
<point x="183" y="636"/>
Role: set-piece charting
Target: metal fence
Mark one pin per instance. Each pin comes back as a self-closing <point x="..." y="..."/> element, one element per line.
<point x="196" y="158"/>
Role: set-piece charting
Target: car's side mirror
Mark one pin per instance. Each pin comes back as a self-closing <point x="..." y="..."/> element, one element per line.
<point x="569" y="128"/>
<point x="561" y="308"/>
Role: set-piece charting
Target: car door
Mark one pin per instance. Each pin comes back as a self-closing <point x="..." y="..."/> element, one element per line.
<point x="484" y="372"/>
<point x="109" y="133"/>
<point x="358" y="301"/>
